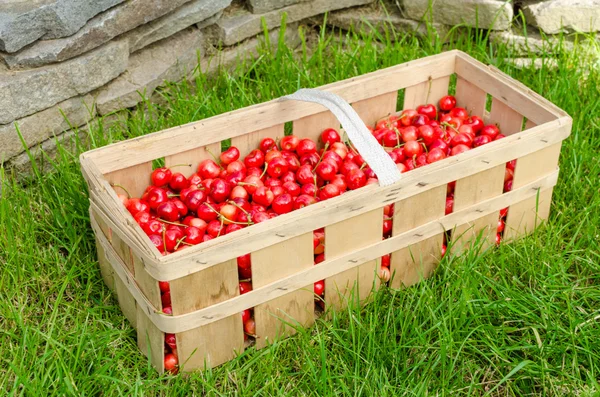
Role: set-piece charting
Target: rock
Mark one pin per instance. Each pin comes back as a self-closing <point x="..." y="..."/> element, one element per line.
<point x="238" y="24"/>
<point x="488" y="14"/>
<point x="42" y="125"/>
<point x="24" y="93"/>
<point x="170" y="59"/>
<point x="533" y="43"/>
<point x="96" y="32"/>
<point x="197" y="11"/>
<point x="537" y="63"/>
<point x="555" y="16"/>
<point x="380" y="18"/>
<point x="262" y="6"/>
<point x="22" y="23"/>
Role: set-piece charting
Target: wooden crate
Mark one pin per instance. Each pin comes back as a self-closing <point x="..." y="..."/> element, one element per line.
<point x="204" y="282"/>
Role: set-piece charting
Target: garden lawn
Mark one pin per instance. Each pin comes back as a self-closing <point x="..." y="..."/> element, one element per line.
<point x="523" y="319"/>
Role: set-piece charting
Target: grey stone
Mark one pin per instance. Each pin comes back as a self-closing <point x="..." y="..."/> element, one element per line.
<point x="262" y="6"/>
<point x="555" y="16"/>
<point x="239" y="24"/>
<point x="197" y="11"/>
<point x="97" y="31"/>
<point x="537" y="63"/>
<point x="24" y="93"/>
<point x="22" y="23"/>
<point x="381" y="18"/>
<point x="532" y="43"/>
<point x="488" y="14"/>
<point x="40" y="126"/>
<point x="169" y="59"/>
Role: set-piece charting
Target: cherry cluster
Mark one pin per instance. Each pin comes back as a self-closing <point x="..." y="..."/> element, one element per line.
<point x="231" y="192"/>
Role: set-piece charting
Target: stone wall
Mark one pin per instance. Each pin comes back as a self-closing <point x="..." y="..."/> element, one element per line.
<point x="80" y="59"/>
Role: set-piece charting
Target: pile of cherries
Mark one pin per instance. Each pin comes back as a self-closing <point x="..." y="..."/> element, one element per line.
<point x="231" y="193"/>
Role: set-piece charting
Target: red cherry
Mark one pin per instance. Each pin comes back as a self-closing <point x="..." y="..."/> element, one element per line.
<point x="508" y="185"/>
<point x="170" y="363"/>
<point x="385" y="260"/>
<point x="498" y="239"/>
<point x="245" y="287"/>
<point x="289" y="142"/>
<point x="428" y="134"/>
<point x="155" y="196"/>
<point x="171" y="341"/>
<point x="292" y="161"/>
<point x="215" y="229"/>
<point x="164" y="286"/>
<point x="476" y="123"/>
<point x="255" y="158"/>
<point x="168" y="310"/>
<point x="208" y="169"/>
<point x="277" y="167"/>
<point x="161" y="176"/>
<point x="230" y="155"/>
<point x="428" y="110"/>
<point x="412" y="148"/>
<point x="306" y="146"/>
<point x="387" y="227"/>
<point x="420" y="120"/>
<point x="326" y="170"/>
<point x="168" y="211"/>
<point x="391" y="139"/>
<point x="490" y="130"/>
<point x="239" y="192"/>
<point x="246" y="315"/>
<point x="511" y="165"/>
<point x="461" y="139"/>
<point x="179" y="182"/>
<point x="157" y="241"/>
<point x="267" y="144"/>
<point x="319" y="288"/>
<point x="329" y="191"/>
<point x="206" y="213"/>
<point x="330" y="136"/>
<point x="449" y="204"/>
<point x="250" y="327"/>
<point x="251" y="183"/>
<point x="237" y="166"/>
<point x="319" y="258"/>
<point x="444" y="249"/>
<point x="263" y="196"/>
<point x="500" y="227"/>
<point x="305" y="175"/>
<point x="508" y="174"/>
<point x="460" y="113"/>
<point x="384" y="274"/>
<point x="136" y="205"/>
<point x="447" y="103"/>
<point x="356" y="179"/>
<point x="283" y="204"/>
<point x="220" y="190"/>
<point x="407" y="116"/>
<point x="410" y="133"/>
<point x="292" y="188"/>
<point x="304" y="200"/>
<point x="194" y="199"/>
<point x="142" y="218"/>
<point x="435" y="154"/>
<point x="481" y="140"/>
<point x="503" y="212"/>
<point x="458" y="149"/>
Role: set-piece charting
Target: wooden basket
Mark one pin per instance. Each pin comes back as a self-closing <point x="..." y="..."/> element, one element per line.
<point x="205" y="297"/>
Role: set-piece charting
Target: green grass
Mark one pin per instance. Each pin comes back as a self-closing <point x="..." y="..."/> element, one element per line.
<point x="519" y="320"/>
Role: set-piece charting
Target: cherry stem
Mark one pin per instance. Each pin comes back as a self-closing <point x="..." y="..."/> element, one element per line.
<point x="180" y="241"/>
<point x="121" y="186"/>
<point x="247" y="184"/>
<point x="224" y="218"/>
<point x="214" y="158"/>
<point x="171" y="223"/>
<point x="180" y="165"/>
<point x="164" y="236"/>
<point x="221" y="228"/>
<point x="451" y="126"/>
<point x="264" y="171"/>
<point x="172" y="195"/>
<point x="322" y="155"/>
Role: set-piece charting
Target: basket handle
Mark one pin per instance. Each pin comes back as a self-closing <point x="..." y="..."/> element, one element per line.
<point x="366" y="144"/>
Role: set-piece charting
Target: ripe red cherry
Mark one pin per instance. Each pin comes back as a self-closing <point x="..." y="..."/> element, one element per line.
<point x="490" y="130"/>
<point x="435" y="154"/>
<point x="384" y="274"/>
<point x="259" y="217"/>
<point x="410" y="133"/>
<point x="283" y="204"/>
<point x="244" y="261"/>
<point x="277" y="167"/>
<point x="304" y="200"/>
<point x="251" y="183"/>
<point x="447" y="103"/>
<point x="306" y="146"/>
<point x="134" y="206"/>
<point x="508" y="174"/>
<point x="267" y="144"/>
<point x="330" y="136"/>
<point x="498" y="239"/>
<point x="255" y="158"/>
<point x="511" y="164"/>
<point x="391" y="139"/>
<point x="170" y="363"/>
<point x="153" y="226"/>
<point x="508" y="185"/>
<point x="476" y="123"/>
<point x="206" y="213"/>
<point x="171" y="341"/>
<point x="215" y="229"/>
<point x="385" y="260"/>
<point x="503" y="212"/>
<point x="228" y="213"/>
<point x="326" y="170"/>
<point x="220" y="190"/>
<point x="329" y="191"/>
<point x="250" y="327"/>
<point x="340" y="181"/>
<point x="157" y="241"/>
<point x="481" y="140"/>
<point x="236" y="166"/>
<point x="420" y="120"/>
<point x="171" y="239"/>
<point x="194" y="199"/>
<point x="168" y="211"/>
<point x="412" y="148"/>
<point x="500" y="227"/>
<point x="292" y="188"/>
<point x="356" y="179"/>
<point x="230" y="155"/>
<point x="461" y="139"/>
<point x="319" y="258"/>
<point x="428" y="110"/>
<point x="161" y="176"/>
<point x="428" y="134"/>
<point x="164" y="286"/>
<point x="179" y="181"/>
<point x="263" y="196"/>
<point x="193" y="235"/>
<point x="407" y="116"/>
<point x="458" y="149"/>
<point x="333" y="157"/>
<point x="460" y="113"/>
<point x="444" y="249"/>
<point x="289" y="142"/>
<point x="387" y="227"/>
<point x="305" y="175"/>
<point x="208" y="169"/>
<point x="440" y="144"/>
<point x="292" y="160"/>
<point x="319" y="288"/>
<point x="156" y="196"/>
<point x="246" y="315"/>
<point x="449" y="204"/>
<point x="245" y="287"/>
<point x="277" y="190"/>
<point x="340" y="149"/>
<point x="239" y="192"/>
<point x="311" y="159"/>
